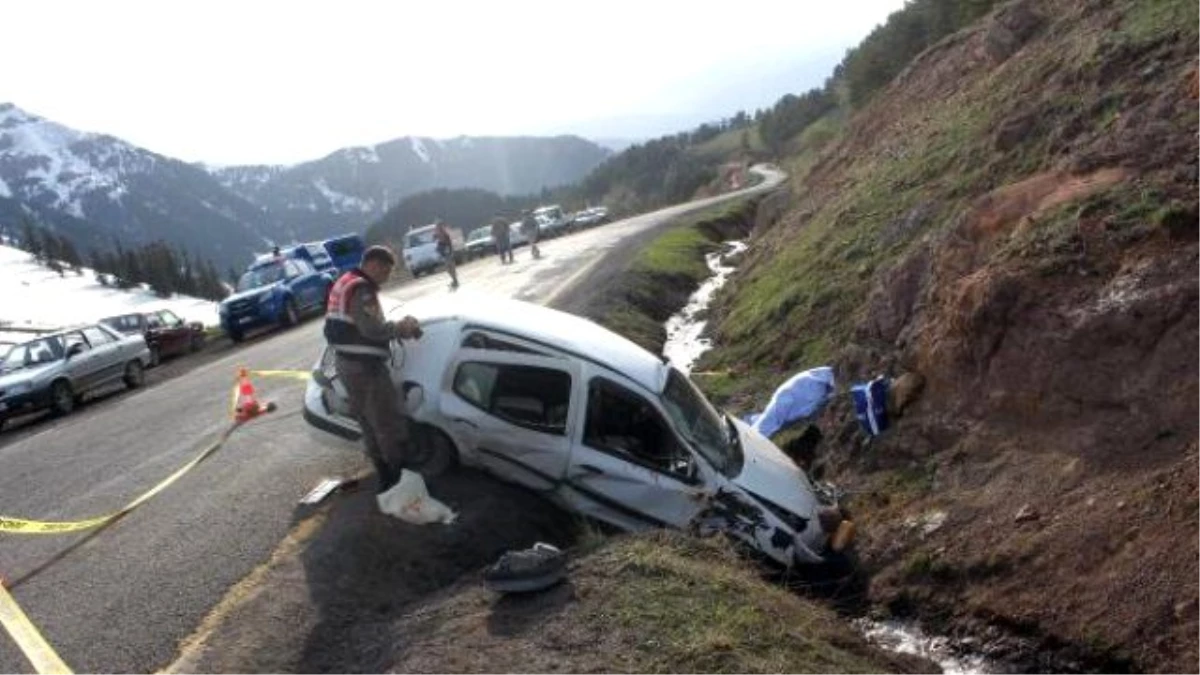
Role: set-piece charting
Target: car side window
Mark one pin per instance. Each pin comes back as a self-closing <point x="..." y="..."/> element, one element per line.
<point x="152" y="321"/>
<point x="291" y="269"/>
<point x="527" y="396"/>
<point x="71" y="339"/>
<point x="168" y="317"/>
<point x="625" y="424"/>
<point x="96" y="337"/>
<point x="479" y="340"/>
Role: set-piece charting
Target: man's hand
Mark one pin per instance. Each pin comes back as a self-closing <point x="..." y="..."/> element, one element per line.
<point x="408" y="328"/>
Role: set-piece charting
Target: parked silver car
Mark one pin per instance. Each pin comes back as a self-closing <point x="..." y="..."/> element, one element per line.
<point x="55" y="370"/>
<point x="559" y="404"/>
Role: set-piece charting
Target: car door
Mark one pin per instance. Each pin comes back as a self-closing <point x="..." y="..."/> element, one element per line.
<point x="105" y="354"/>
<point x="173" y="334"/>
<point x="82" y="368"/>
<point x="304" y="282"/>
<point x="628" y="467"/>
<point x="512" y="412"/>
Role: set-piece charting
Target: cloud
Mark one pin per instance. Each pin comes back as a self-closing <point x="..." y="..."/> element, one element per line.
<point x="266" y="81"/>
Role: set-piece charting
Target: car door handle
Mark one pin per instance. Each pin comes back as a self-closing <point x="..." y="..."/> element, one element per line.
<point x="592" y="469"/>
<point x="462" y="420"/>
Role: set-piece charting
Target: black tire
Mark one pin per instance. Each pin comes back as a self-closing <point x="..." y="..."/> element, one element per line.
<point x="155" y="356"/>
<point x="197" y="343"/>
<point x="236" y="336"/>
<point x="291" y="316"/>
<point x="434" y="452"/>
<point x="135" y="376"/>
<point x="62" y="399"/>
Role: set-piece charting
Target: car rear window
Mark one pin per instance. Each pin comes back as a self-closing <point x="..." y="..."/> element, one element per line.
<point x="129" y="323"/>
<point x="420" y="238"/>
<point x="526" y="396"/>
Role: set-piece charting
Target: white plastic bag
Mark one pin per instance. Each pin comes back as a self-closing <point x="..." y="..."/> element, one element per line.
<point x="409" y="501"/>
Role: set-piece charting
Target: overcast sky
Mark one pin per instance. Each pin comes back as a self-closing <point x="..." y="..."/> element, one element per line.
<point x="277" y="82"/>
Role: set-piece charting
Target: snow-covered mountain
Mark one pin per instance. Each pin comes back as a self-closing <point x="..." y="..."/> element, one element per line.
<point x="97" y="189"/>
<point x="355" y="186"/>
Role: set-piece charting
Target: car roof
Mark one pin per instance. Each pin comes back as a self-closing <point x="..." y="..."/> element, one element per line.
<point x="560" y="330"/>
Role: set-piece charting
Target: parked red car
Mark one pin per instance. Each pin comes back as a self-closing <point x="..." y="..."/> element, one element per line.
<point x="166" y="334"/>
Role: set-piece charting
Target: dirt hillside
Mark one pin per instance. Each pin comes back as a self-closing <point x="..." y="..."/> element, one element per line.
<point x="1012" y="225"/>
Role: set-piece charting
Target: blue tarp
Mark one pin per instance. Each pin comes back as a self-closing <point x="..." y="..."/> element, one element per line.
<point x="804" y="395"/>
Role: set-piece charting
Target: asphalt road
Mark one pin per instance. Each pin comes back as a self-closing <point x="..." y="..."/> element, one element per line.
<point x="125" y="600"/>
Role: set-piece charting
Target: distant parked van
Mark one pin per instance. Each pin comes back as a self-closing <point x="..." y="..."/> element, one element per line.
<point x="420" y="249"/>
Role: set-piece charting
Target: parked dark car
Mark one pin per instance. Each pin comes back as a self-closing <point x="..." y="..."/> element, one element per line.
<point x="274" y="291"/>
<point x="55" y="371"/>
<point x="166" y="334"/>
<point x="479" y="243"/>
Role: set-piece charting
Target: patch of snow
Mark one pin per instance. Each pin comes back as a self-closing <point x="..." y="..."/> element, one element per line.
<point x="4" y="190"/>
<point x="35" y="296"/>
<point x="928" y="523"/>
<point x="339" y="201"/>
<point x="57" y="167"/>
<point x="368" y="154"/>
<point x="418" y="148"/>
<point x="684" y="345"/>
<point x="908" y="638"/>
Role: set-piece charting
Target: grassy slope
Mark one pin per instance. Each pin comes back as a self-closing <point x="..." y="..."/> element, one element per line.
<point x="918" y="170"/>
<point x="806" y="287"/>
<point x="661" y="602"/>
<point x="664" y="273"/>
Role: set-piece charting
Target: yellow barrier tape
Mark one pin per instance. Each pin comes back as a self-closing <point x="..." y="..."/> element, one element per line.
<point x="23" y="526"/>
<point x="35" y="648"/>
<point x="293" y="374"/>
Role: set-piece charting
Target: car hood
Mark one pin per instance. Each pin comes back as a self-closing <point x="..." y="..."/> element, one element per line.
<point x="772" y="475"/>
<point x="25" y="374"/>
<point x="253" y="293"/>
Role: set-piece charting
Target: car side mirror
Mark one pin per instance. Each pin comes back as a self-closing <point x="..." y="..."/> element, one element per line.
<point x="74" y="350"/>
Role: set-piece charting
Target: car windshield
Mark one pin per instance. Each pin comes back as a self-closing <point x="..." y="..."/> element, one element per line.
<point x="481" y="233"/>
<point x="418" y="238"/>
<point x="699" y="422"/>
<point x="32" y="353"/>
<point x="261" y="276"/>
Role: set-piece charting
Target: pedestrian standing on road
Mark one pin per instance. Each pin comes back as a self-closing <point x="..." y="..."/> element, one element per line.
<point x="445" y="248"/>
<point x="501" y="239"/>
<point x="360" y="338"/>
<point x="529" y="227"/>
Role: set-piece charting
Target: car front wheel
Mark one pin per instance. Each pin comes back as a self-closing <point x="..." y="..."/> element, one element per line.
<point x="134" y="375"/>
<point x="62" y="399"/>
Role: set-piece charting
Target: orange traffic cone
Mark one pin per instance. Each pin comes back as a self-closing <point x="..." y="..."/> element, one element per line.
<point x="248" y="407"/>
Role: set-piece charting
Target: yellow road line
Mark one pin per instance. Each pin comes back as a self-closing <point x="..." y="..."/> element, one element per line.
<point x="28" y="638"/>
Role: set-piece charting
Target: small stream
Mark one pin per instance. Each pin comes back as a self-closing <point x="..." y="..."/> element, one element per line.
<point x="684" y="344"/>
<point x="683" y="348"/>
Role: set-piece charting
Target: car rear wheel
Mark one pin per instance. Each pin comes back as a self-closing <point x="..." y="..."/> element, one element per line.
<point x="62" y="399"/>
<point x="290" y="316"/>
<point x="134" y="375"/>
<point x="433" y="453"/>
<point x="197" y="343"/>
<point x="236" y="335"/>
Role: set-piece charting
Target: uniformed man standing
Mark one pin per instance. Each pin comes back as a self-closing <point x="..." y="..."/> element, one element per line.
<point x="360" y="337"/>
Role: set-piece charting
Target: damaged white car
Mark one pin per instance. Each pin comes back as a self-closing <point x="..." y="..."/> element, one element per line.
<point x="563" y="406"/>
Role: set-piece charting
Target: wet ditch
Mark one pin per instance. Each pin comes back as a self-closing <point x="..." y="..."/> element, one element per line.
<point x="685" y="344"/>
